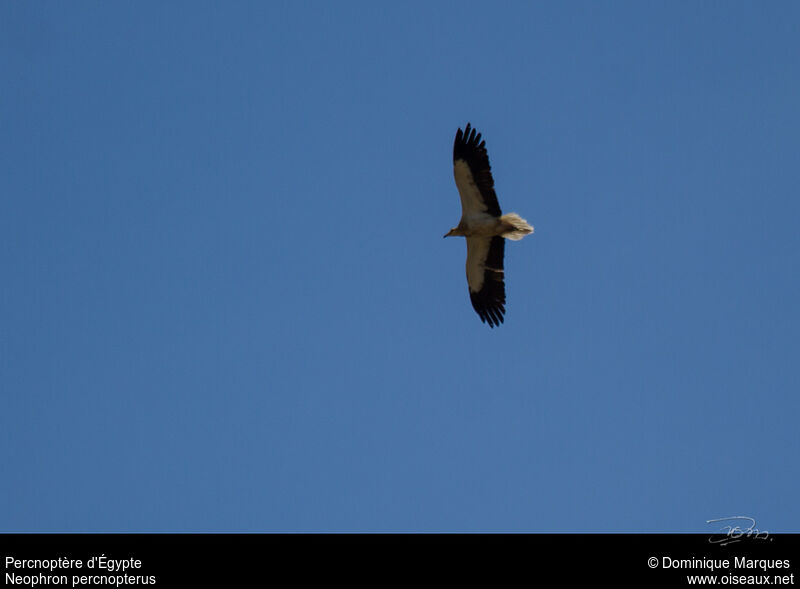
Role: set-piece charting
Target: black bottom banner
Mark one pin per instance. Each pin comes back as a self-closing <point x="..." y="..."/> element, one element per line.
<point x="176" y="560"/>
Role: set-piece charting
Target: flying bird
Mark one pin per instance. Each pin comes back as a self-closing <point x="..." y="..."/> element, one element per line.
<point x="484" y="226"/>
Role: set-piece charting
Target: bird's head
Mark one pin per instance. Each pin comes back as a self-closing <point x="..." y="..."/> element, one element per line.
<point x="452" y="232"/>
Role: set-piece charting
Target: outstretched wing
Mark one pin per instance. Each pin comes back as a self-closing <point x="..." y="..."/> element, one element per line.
<point x="473" y="174"/>
<point x="487" y="290"/>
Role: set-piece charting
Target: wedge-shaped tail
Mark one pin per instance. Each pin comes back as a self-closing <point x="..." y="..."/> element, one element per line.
<point x="514" y="227"/>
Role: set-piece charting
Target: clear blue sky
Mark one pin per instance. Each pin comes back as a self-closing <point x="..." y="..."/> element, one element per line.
<point x="227" y="304"/>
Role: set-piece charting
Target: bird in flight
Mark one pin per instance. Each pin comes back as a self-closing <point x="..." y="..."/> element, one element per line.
<point x="484" y="226"/>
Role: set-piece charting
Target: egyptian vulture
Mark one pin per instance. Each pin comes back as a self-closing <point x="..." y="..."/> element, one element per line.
<point x="484" y="226"/>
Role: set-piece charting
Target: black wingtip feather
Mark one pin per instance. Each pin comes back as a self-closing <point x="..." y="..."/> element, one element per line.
<point x="469" y="147"/>
<point x="490" y="301"/>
